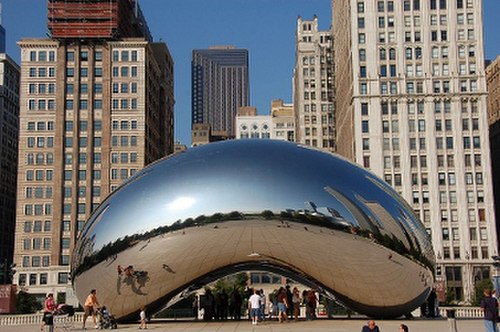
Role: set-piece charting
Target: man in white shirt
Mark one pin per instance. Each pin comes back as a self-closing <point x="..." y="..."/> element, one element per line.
<point x="254" y="306"/>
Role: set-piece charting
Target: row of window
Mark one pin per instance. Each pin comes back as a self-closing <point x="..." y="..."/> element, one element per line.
<point x="38" y="209"/>
<point x="442" y="161"/>
<point x="472" y="215"/>
<point x="84" y="55"/>
<point x="454" y="235"/>
<point x="84" y="72"/>
<point x="37" y="243"/>
<point x="42" y="278"/>
<point x="448" y="196"/>
<point x="413" y="107"/>
<point x="39" y="175"/>
<point x="42" y="72"/>
<point x="81" y="192"/>
<point x="124" y="157"/>
<point x="415" y="5"/>
<point x="42" y="88"/>
<point x="473" y="255"/>
<point x="122" y="174"/>
<point x="40" y="158"/>
<point x="82" y="142"/>
<point x="43" y="56"/>
<point x="327" y="107"/>
<point x="42" y="261"/>
<point x="38" y="192"/>
<point x="441" y="142"/>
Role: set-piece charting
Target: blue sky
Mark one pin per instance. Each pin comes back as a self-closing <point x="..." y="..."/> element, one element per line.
<point x="265" y="27"/>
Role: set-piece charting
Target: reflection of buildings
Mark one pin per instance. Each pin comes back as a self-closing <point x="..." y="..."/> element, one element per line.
<point x="313" y="83"/>
<point x="95" y="109"/>
<point x="358" y="215"/>
<point x="411" y="106"/>
<point x="9" y="129"/>
<point x="220" y="84"/>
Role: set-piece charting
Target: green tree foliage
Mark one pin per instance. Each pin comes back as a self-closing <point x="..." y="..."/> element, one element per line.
<point x="27" y="303"/>
<point x="478" y="290"/>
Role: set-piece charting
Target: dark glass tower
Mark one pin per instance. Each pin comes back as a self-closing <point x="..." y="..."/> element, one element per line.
<point x="220" y="84"/>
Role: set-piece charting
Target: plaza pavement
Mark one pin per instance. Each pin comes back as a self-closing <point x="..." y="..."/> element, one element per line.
<point x="320" y="325"/>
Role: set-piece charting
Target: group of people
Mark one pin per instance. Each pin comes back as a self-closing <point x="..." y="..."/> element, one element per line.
<point x="220" y="306"/>
<point x="284" y="304"/>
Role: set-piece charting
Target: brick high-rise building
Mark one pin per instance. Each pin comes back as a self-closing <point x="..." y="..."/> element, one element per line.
<point x="96" y="106"/>
<point x="220" y="85"/>
<point x="411" y="105"/>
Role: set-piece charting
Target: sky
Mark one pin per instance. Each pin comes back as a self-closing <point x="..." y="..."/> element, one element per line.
<point x="265" y="27"/>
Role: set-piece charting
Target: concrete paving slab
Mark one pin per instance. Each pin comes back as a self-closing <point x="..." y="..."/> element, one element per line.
<point x="321" y="325"/>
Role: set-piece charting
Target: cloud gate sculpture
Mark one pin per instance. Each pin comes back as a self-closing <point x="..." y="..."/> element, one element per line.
<point x="260" y="205"/>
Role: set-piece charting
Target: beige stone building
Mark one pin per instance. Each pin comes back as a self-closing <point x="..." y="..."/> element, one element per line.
<point x="313" y="84"/>
<point x="93" y="113"/>
<point x="283" y="121"/>
<point x="493" y="82"/>
<point x="411" y="106"/>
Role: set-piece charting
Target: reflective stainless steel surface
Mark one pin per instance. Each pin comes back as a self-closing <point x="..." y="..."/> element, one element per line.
<point x="260" y="205"/>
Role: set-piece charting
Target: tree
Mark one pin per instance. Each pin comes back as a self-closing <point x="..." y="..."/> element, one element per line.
<point x="27" y="303"/>
<point x="479" y="289"/>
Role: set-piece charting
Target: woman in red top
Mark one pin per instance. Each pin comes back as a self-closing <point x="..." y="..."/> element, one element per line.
<point x="49" y="306"/>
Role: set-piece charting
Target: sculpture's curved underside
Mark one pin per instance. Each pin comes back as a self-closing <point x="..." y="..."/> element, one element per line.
<point x="255" y="205"/>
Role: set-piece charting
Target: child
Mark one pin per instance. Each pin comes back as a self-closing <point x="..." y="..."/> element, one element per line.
<point x="143" y="318"/>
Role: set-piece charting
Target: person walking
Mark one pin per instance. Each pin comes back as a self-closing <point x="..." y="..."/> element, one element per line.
<point x="254" y="306"/>
<point x="49" y="306"/>
<point x="489" y="306"/>
<point x="90" y="307"/>
<point x="370" y="327"/>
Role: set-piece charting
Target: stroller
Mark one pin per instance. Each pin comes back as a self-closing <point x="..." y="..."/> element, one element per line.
<point x="64" y="317"/>
<point x="106" y="319"/>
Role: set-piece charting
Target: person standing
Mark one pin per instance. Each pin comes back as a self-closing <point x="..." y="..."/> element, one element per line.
<point x="296" y="303"/>
<point x="49" y="306"/>
<point x="282" y="305"/>
<point x="370" y="327"/>
<point x="489" y="306"/>
<point x="90" y="307"/>
<point x="262" y="311"/>
<point x="142" y="316"/>
<point x="254" y="306"/>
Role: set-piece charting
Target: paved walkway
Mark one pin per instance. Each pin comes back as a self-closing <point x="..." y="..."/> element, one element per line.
<point x="337" y="325"/>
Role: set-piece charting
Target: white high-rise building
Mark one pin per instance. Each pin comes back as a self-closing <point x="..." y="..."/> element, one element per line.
<point x="313" y="82"/>
<point x="411" y="106"/>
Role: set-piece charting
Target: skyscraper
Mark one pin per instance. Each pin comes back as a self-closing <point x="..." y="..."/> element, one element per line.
<point x="97" y="105"/>
<point x="9" y="130"/>
<point x="411" y="106"/>
<point x="313" y="83"/>
<point x="220" y="85"/>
